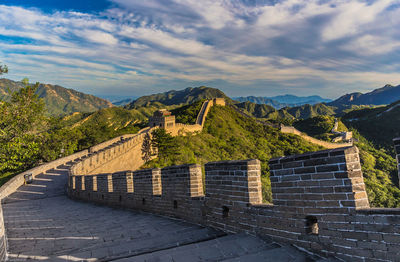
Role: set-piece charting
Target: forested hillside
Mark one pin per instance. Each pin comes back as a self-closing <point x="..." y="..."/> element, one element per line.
<point x="186" y="96"/>
<point x="58" y="100"/>
<point x="379" y="125"/>
<point x="229" y="135"/>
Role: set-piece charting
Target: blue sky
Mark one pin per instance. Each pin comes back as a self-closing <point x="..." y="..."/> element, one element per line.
<point x="243" y="47"/>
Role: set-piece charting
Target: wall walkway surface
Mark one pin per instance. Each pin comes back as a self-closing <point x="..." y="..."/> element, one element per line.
<point x="292" y="130"/>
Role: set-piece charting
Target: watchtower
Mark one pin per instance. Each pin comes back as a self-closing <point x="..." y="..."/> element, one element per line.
<point x="162" y="118"/>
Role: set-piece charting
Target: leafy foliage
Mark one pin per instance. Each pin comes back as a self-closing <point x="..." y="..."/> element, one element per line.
<point x="21" y="122"/>
<point x="147" y="148"/>
<point x="164" y="144"/>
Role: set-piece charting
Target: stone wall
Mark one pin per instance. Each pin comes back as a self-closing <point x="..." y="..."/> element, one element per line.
<point x="396" y="142"/>
<point x="182" y="129"/>
<point x="292" y="130"/>
<point x="125" y="154"/>
<point x="320" y="202"/>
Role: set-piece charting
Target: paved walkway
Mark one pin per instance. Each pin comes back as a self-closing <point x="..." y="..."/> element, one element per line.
<point x="42" y="224"/>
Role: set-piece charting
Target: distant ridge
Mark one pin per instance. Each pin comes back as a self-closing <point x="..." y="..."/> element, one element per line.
<point x="58" y="100"/>
<point x="173" y="97"/>
<point x="282" y="101"/>
<point x="381" y="96"/>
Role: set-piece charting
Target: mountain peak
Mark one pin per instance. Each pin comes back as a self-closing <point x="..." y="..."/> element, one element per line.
<point x="381" y="96"/>
<point x="185" y="96"/>
<point x="59" y="100"/>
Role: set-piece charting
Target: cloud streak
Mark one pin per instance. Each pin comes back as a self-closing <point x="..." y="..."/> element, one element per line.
<point x="137" y="47"/>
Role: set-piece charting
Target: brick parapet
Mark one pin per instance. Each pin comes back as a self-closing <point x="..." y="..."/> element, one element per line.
<point x="330" y="179"/>
<point x="325" y="216"/>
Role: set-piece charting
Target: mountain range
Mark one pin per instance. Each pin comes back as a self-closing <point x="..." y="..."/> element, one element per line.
<point x="58" y="100"/>
<point x="381" y="96"/>
<point x="64" y="101"/>
<point x="282" y="101"/>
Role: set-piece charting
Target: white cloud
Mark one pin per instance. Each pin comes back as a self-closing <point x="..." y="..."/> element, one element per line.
<point x="184" y="42"/>
<point x="350" y="18"/>
<point x="372" y="45"/>
<point x="97" y="36"/>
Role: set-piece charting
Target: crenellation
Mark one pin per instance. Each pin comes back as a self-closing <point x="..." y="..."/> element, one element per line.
<point x="319" y="201"/>
<point x="147" y="182"/>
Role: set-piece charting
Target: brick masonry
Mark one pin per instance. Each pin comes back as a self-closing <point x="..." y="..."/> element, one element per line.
<point x="320" y="202"/>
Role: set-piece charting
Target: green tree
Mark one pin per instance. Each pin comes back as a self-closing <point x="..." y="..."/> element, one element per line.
<point x="21" y="122"/>
<point x="165" y="144"/>
<point x="147" y="151"/>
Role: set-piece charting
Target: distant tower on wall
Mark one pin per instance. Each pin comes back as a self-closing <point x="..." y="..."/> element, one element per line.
<point x="219" y="101"/>
<point x="162" y="118"/>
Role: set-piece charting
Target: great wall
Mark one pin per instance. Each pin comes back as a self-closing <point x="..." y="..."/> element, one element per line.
<point x="292" y="130"/>
<point x="319" y="205"/>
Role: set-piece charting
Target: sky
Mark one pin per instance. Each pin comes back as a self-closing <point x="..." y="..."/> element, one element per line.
<point x="243" y="47"/>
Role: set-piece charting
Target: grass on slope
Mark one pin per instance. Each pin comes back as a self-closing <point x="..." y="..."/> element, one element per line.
<point x="227" y="135"/>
